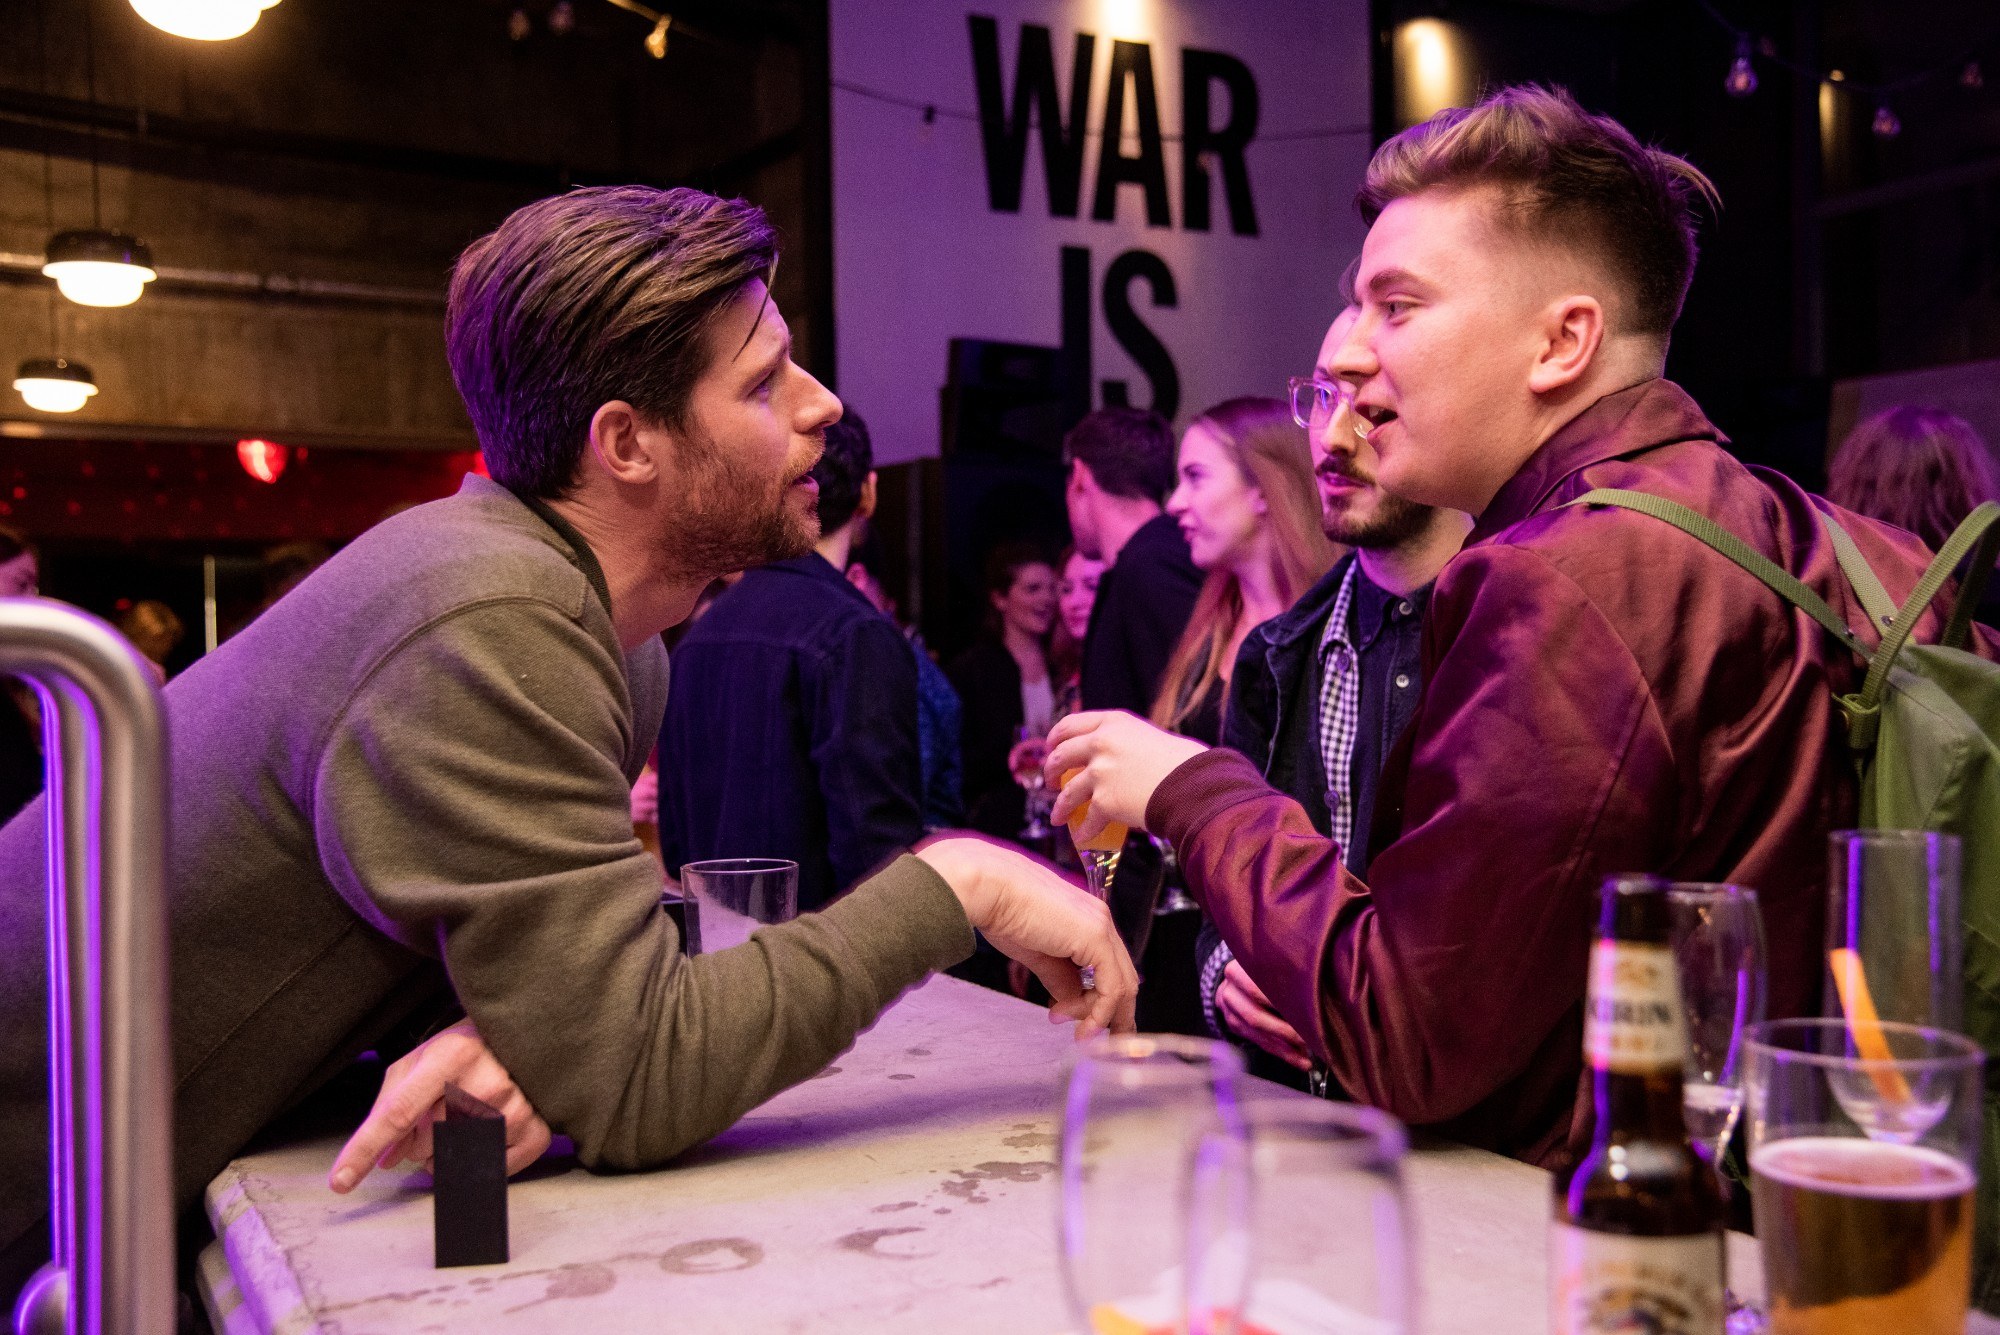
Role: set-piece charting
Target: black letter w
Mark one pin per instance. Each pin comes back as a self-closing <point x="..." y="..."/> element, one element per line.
<point x="1006" y="136"/>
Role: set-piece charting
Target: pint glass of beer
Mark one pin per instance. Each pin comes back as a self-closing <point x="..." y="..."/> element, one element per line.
<point x="1863" y="1151"/>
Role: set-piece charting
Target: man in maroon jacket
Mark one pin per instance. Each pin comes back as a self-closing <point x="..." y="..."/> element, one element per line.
<point x="1603" y="694"/>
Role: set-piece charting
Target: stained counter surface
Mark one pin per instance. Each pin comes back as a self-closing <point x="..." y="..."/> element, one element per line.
<point x="911" y="1187"/>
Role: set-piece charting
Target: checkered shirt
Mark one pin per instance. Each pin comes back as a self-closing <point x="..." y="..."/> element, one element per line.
<point x="1339" y="721"/>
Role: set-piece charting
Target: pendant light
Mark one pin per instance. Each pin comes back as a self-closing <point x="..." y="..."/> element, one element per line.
<point x="54" y="384"/>
<point x="203" y="20"/>
<point x="96" y="266"/>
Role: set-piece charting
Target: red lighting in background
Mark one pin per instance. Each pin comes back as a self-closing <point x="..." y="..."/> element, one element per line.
<point x="263" y="459"/>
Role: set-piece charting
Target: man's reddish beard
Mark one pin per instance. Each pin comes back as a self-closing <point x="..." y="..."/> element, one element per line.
<point x="731" y="519"/>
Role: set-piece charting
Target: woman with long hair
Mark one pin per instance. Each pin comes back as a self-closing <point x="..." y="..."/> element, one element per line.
<point x="1922" y="469"/>
<point x="1248" y="506"/>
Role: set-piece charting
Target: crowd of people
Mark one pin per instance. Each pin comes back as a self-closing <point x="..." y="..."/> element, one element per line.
<point x="1372" y="691"/>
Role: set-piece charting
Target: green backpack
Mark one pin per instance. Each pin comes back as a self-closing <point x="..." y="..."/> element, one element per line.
<point x="1924" y="730"/>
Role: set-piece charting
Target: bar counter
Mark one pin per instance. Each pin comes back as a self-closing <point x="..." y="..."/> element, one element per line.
<point x="911" y="1187"/>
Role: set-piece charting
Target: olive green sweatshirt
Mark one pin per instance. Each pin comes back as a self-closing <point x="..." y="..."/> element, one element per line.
<point x="422" y="756"/>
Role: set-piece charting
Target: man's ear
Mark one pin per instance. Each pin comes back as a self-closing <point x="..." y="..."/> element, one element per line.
<point x="866" y="508"/>
<point x="1573" y="333"/>
<point x="625" y="445"/>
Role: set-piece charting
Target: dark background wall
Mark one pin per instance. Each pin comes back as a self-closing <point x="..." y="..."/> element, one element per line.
<point x="305" y="188"/>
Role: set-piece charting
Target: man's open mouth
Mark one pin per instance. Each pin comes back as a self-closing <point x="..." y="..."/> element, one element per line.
<point x="1374" y="414"/>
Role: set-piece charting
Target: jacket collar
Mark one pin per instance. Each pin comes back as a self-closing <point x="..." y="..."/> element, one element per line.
<point x="1303" y="618"/>
<point x="1650" y="414"/>
<point x="817" y="568"/>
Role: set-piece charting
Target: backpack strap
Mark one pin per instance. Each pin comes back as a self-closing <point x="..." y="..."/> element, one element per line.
<point x="1978" y="530"/>
<point x="1711" y="534"/>
<point x="1875" y="599"/>
<point x="1959" y="628"/>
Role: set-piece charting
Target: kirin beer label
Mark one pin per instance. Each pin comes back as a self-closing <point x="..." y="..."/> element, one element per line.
<point x="1632" y="1016"/>
<point x="1611" y="1284"/>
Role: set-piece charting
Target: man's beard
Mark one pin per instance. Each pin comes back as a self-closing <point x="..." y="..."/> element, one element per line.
<point x="1394" y="522"/>
<point x="730" y="519"/>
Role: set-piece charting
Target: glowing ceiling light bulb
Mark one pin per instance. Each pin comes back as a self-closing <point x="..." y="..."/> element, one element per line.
<point x="203" y="20"/>
<point x="99" y="268"/>
<point x="53" y="385"/>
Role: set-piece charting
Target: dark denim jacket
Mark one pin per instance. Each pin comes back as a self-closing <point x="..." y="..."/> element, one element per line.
<point x="791" y="731"/>
<point x="1274" y="704"/>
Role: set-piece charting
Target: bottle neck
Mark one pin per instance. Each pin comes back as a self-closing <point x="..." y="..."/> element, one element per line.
<point x="1633" y="1107"/>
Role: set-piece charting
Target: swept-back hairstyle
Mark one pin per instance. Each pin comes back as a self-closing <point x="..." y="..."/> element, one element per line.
<point x="1568" y="178"/>
<point x="1271" y="451"/>
<point x="1922" y="469"/>
<point x="582" y="298"/>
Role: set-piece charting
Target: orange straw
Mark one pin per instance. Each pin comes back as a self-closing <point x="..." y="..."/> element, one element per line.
<point x="1865" y="1025"/>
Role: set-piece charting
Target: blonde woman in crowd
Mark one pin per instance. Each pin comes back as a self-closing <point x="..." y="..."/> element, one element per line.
<point x="1246" y="501"/>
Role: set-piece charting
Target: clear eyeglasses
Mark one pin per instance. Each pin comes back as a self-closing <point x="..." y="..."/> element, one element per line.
<point x="1316" y="401"/>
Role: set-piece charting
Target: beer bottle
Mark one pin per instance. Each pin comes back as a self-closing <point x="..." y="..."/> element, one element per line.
<point x="1637" y="1238"/>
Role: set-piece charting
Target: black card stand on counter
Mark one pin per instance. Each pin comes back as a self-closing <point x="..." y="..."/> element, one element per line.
<point x="469" y="1177"/>
<point x="686" y="913"/>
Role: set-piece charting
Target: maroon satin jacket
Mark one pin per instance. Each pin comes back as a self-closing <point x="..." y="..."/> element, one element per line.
<point x="1602" y="694"/>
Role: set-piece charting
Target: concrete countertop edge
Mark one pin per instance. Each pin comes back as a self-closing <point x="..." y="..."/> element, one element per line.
<point x="274" y="1303"/>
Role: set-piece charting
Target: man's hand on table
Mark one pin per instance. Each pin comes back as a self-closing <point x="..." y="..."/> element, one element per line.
<point x="1122" y="759"/>
<point x="1032" y="914"/>
<point x="398" y="1127"/>
<point x="1251" y="1015"/>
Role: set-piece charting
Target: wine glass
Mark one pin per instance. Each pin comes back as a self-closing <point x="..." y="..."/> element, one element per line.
<point x="1299" y="1221"/>
<point x="1029" y="751"/>
<point x="1718" y="944"/>
<point x="1099" y="856"/>
<point x="1135" y="1106"/>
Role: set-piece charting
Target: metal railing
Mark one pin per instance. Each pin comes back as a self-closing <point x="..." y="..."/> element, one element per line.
<point x="110" y="1065"/>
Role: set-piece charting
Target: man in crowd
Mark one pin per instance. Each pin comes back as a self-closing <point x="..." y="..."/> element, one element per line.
<point x="407" y="783"/>
<point x="1603" y="694"/>
<point x="1321" y="692"/>
<point x="810" y="693"/>
<point x="1121" y="467"/>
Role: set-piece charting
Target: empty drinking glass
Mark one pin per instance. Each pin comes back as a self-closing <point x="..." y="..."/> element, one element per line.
<point x="1299" y="1223"/>
<point x="1892" y="902"/>
<point x="766" y="889"/>
<point x="1134" y="1107"/>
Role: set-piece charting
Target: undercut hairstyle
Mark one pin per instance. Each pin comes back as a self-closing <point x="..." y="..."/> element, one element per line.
<point x="843" y="470"/>
<point x="1567" y="177"/>
<point x="1130" y="452"/>
<point x="585" y="297"/>
<point x="1922" y="469"/>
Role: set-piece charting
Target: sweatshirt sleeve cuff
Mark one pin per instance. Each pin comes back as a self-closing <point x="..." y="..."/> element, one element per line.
<point x="1201" y="789"/>
<point x="907" y="915"/>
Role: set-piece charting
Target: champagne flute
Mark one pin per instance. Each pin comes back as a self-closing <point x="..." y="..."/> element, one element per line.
<point x="1718" y="945"/>
<point x="1099" y="856"/>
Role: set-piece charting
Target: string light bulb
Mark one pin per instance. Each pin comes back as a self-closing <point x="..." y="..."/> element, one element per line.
<point x="54" y="385"/>
<point x="93" y="267"/>
<point x="203" y="20"/>
<point x="519" y="25"/>
<point x="562" y="18"/>
<point x="1887" y="123"/>
<point x="656" y="40"/>
<point x="1972" y="77"/>
<point x="1741" y="81"/>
